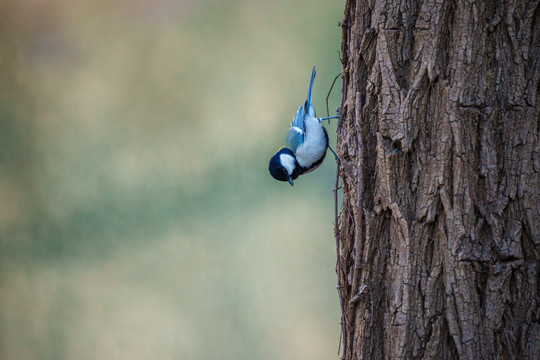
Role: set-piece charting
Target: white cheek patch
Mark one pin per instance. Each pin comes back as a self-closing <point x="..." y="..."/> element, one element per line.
<point x="288" y="162"/>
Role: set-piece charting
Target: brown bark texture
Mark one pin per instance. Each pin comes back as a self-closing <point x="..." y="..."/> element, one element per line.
<point x="439" y="232"/>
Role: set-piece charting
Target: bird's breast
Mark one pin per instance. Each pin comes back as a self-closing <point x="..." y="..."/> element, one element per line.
<point x="313" y="148"/>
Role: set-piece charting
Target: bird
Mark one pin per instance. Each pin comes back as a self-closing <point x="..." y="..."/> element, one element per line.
<point x="304" y="145"/>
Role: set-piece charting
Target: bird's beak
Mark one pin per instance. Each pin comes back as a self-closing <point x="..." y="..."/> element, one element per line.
<point x="290" y="181"/>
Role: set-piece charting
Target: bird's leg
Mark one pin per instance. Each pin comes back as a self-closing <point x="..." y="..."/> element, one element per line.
<point x="330" y="117"/>
<point x="333" y="152"/>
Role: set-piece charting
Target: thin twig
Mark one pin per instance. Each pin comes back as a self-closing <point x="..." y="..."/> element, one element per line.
<point x="329" y="92"/>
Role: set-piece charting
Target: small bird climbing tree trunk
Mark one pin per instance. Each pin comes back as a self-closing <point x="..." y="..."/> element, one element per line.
<point x="439" y="233"/>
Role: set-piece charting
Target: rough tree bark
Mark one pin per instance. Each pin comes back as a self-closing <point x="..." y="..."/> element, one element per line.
<point x="439" y="232"/>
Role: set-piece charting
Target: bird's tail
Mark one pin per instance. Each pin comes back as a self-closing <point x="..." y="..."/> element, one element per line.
<point x="308" y="101"/>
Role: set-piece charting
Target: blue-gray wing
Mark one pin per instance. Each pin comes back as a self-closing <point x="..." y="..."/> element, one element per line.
<point x="298" y="120"/>
<point x="295" y="135"/>
<point x="294" y="138"/>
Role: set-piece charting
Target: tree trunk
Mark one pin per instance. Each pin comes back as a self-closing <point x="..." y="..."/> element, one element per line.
<point x="439" y="233"/>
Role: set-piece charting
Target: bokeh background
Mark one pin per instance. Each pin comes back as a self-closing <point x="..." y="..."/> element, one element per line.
<point x="137" y="216"/>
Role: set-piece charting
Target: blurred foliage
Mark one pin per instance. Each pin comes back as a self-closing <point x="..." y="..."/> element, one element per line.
<point x="138" y="220"/>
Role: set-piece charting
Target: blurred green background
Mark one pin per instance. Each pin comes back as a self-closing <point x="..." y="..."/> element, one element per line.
<point x="138" y="219"/>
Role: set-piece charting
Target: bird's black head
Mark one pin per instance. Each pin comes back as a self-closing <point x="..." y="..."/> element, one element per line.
<point x="282" y="166"/>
